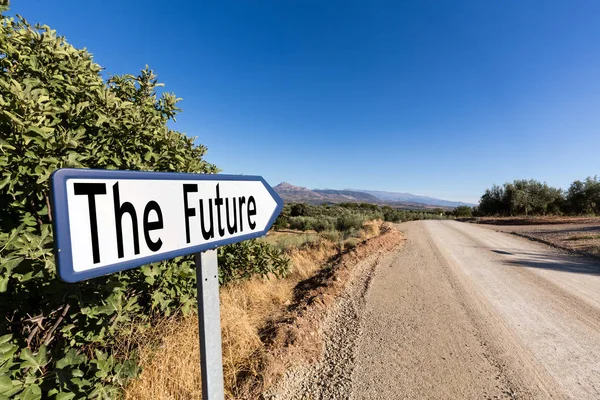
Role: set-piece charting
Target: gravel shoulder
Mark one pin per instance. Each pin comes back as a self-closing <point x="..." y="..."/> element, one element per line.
<point x="329" y="377"/>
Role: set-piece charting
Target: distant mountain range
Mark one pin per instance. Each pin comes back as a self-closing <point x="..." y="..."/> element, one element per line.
<point x="413" y="198"/>
<point x="297" y="194"/>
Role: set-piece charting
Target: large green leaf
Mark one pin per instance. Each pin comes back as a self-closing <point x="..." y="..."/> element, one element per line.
<point x="71" y="358"/>
<point x="65" y="396"/>
<point x="5" y="338"/>
<point x="31" y="392"/>
<point x="4" y="283"/>
<point x="35" y="361"/>
<point x="5" y="384"/>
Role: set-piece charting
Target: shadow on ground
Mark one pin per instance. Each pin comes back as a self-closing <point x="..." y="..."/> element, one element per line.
<point x="567" y="231"/>
<point x="578" y="265"/>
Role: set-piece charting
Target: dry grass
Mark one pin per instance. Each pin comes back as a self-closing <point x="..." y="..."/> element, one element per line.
<point x="371" y="229"/>
<point x="172" y="371"/>
<point x="291" y="240"/>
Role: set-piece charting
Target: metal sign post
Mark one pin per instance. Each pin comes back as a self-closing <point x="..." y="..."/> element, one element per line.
<point x="209" y="324"/>
<point x="111" y="221"/>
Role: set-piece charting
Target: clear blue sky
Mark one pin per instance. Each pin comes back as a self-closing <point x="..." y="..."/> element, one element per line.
<point x="441" y="98"/>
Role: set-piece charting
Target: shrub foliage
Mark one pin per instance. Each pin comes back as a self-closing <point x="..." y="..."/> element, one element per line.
<point x="243" y="260"/>
<point x="56" y="339"/>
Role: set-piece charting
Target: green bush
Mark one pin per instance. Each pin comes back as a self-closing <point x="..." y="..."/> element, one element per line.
<point x="56" y="111"/>
<point x="323" y="224"/>
<point x="463" y="212"/>
<point x="332" y="236"/>
<point x="301" y="223"/>
<point x="349" y="222"/>
<point x="243" y="260"/>
<point x="299" y="210"/>
<point x="320" y="224"/>
<point x="281" y="223"/>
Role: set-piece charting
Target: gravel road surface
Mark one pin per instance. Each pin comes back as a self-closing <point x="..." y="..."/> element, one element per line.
<point x="462" y="311"/>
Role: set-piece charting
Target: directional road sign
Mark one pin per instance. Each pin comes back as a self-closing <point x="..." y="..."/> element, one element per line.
<point x="109" y="221"/>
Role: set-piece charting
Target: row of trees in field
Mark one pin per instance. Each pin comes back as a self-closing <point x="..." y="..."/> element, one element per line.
<point x="344" y="216"/>
<point x="530" y="197"/>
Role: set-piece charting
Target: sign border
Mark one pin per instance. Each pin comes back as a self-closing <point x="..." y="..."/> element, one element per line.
<point x="60" y="217"/>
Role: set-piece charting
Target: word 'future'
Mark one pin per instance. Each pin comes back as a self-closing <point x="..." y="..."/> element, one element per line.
<point x="234" y="220"/>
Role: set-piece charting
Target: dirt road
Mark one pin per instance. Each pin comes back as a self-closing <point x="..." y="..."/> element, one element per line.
<point x="463" y="311"/>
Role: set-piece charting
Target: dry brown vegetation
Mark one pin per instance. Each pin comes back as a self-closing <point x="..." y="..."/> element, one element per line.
<point x="578" y="234"/>
<point x="251" y="313"/>
<point x="583" y="239"/>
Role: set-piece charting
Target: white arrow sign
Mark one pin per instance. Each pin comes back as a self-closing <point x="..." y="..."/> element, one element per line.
<point x="108" y="221"/>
